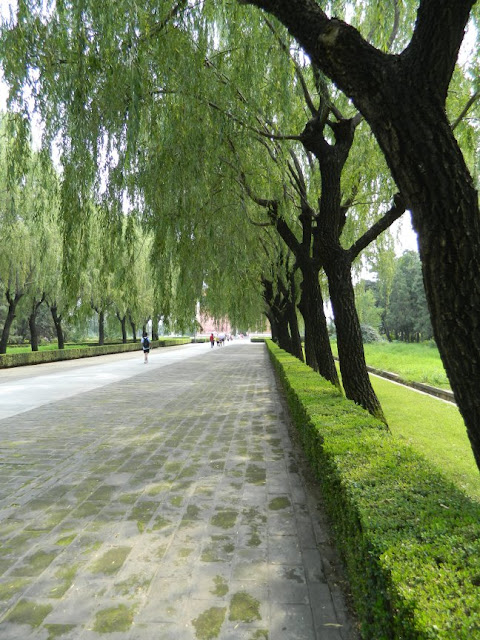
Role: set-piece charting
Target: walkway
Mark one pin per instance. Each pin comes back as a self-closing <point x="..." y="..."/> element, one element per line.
<point x="159" y="501"/>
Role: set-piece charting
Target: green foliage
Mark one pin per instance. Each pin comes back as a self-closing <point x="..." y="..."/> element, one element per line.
<point x="152" y="109"/>
<point x="368" y="312"/>
<point x="397" y="296"/>
<point x="370" y="334"/>
<point x="137" y="136"/>
<point x="409" y="538"/>
<point x="412" y="362"/>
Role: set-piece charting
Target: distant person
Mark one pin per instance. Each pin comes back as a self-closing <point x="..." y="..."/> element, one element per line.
<point x="212" y="340"/>
<point x="146" y="347"/>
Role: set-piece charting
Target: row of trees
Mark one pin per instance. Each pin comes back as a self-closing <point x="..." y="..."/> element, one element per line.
<point x="32" y="265"/>
<point x="250" y="170"/>
<point x="396" y="307"/>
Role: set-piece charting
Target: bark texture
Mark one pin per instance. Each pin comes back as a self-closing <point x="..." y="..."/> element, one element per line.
<point x="318" y="352"/>
<point x="12" y="300"/>
<point x="336" y="261"/>
<point x="57" y="321"/>
<point x="277" y="311"/>
<point x="101" y="328"/>
<point x="316" y="331"/>
<point x="32" y="323"/>
<point x="123" y="324"/>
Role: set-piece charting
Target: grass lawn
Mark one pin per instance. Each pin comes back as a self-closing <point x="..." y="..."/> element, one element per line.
<point x="25" y="348"/>
<point x="433" y="427"/>
<point x="412" y="362"/>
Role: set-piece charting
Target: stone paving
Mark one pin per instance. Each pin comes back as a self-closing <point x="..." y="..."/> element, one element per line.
<point x="171" y="505"/>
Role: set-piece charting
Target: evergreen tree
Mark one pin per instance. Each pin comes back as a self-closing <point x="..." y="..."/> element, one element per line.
<point x="408" y="312"/>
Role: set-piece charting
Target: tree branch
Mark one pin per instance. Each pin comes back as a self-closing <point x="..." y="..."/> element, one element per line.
<point x="396" y="23"/>
<point x="436" y="41"/>
<point x="358" y="68"/>
<point x="298" y="70"/>
<point x="297" y="175"/>
<point x="258" y="132"/>
<point x="379" y="227"/>
<point x="157" y="28"/>
<point x="466" y="109"/>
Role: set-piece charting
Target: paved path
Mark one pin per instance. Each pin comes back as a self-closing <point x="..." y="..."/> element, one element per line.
<point x="159" y="501"/>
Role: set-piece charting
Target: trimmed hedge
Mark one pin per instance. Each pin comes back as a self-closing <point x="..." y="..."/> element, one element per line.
<point x="409" y="538"/>
<point x="54" y="355"/>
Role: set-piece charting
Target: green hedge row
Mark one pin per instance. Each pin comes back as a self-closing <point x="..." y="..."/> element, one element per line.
<point x="409" y="538"/>
<point x="41" y="357"/>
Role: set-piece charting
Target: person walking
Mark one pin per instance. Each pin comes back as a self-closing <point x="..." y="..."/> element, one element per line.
<point x="212" y="340"/>
<point x="146" y="347"/>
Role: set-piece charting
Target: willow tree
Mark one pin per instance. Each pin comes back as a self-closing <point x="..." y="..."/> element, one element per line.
<point x="132" y="130"/>
<point x="280" y="291"/>
<point x="314" y="234"/>
<point x="16" y="272"/>
<point x="165" y="136"/>
<point x="403" y="98"/>
<point x="28" y="197"/>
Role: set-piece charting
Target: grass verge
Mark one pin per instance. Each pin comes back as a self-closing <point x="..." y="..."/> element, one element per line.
<point x="411" y="361"/>
<point x="434" y="428"/>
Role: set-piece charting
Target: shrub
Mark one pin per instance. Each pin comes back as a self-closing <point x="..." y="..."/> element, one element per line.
<point x="409" y="538"/>
<point x="370" y="334"/>
<point x="53" y="355"/>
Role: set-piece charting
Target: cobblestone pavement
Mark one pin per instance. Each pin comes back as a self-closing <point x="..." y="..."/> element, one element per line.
<point x="168" y="505"/>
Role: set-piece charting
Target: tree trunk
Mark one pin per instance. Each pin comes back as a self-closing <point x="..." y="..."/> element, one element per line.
<point x="445" y="215"/>
<point x="134" y="329"/>
<point x="12" y="306"/>
<point x="336" y="261"/>
<point x="276" y="313"/>
<point x="296" y="340"/>
<point x="314" y="318"/>
<point x="155" y="321"/>
<point x="273" y="325"/>
<point x="291" y="316"/>
<point x="284" y="339"/>
<point x="310" y="358"/>
<point x="355" y="378"/>
<point x="428" y="166"/>
<point x="101" y="328"/>
<point x="317" y="343"/>
<point x="123" y="324"/>
<point x="57" y="321"/>
<point x="32" y="323"/>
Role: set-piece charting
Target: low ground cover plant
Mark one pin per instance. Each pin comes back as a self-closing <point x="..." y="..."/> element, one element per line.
<point x="19" y="357"/>
<point x="410" y="538"/>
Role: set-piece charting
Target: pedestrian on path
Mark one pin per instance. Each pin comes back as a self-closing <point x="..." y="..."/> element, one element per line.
<point x="146" y="347"/>
<point x="212" y="340"/>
